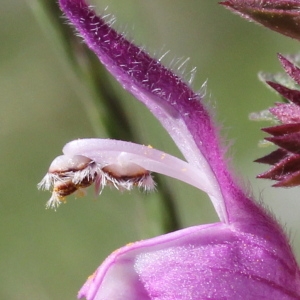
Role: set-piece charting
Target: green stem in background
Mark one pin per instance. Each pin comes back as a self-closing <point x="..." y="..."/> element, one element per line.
<point x="103" y="106"/>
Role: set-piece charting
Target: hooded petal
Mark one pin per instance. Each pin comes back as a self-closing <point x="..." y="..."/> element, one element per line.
<point x="202" y="262"/>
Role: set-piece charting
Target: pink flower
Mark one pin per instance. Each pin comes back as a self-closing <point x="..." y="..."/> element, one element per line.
<point x="285" y="161"/>
<point x="245" y="256"/>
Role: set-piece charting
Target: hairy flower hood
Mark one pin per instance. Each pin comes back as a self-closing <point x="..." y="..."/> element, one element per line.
<point x="245" y="256"/>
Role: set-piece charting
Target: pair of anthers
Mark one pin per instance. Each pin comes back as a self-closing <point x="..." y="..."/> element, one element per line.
<point x="70" y="174"/>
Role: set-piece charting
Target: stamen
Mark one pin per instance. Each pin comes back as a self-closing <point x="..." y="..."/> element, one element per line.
<point x="69" y="174"/>
<point x="126" y="177"/>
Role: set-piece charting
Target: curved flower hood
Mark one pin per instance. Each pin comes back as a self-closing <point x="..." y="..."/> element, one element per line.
<point x="245" y="256"/>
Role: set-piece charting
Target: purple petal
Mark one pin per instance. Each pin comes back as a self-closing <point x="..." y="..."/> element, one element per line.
<point x="202" y="262"/>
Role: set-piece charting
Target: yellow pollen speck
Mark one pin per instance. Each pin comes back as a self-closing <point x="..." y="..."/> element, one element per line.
<point x="91" y="277"/>
<point x="149" y="146"/>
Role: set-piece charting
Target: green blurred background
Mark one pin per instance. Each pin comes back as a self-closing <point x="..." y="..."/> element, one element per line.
<point x="44" y="104"/>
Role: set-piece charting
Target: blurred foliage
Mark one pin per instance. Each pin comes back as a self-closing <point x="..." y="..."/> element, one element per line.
<point x="50" y="96"/>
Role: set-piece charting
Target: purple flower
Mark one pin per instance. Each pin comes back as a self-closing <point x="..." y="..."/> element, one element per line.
<point x="285" y="161"/>
<point x="245" y="256"/>
<point x="282" y="16"/>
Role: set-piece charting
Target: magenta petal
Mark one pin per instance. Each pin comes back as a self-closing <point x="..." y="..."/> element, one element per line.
<point x="202" y="262"/>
